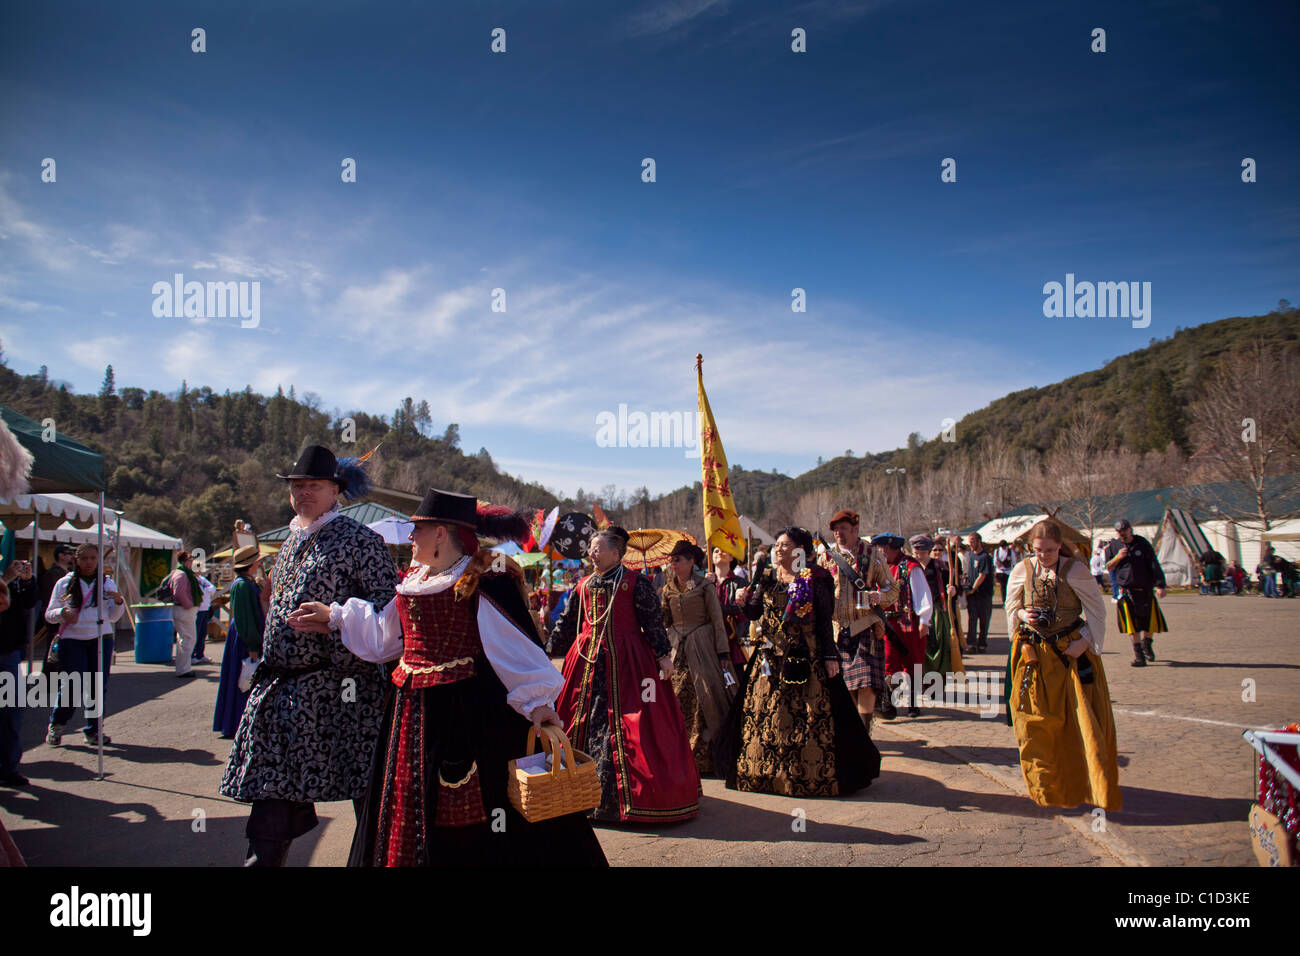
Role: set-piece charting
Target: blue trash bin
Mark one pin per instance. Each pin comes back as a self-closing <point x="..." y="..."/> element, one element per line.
<point x="154" y="633"/>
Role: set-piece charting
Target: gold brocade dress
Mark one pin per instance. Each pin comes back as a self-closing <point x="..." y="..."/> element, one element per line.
<point x="1063" y="723"/>
<point x="799" y="733"/>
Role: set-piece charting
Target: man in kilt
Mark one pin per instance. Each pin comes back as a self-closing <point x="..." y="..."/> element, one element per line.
<point x="312" y="720"/>
<point x="859" y="628"/>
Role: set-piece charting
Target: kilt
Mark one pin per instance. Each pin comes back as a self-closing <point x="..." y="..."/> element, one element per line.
<point x="1138" y="610"/>
<point x="863" y="668"/>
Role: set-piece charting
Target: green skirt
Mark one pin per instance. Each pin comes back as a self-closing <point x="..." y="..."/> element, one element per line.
<point x="938" y="645"/>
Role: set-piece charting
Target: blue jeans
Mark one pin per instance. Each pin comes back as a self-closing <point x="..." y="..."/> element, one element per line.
<point x="1114" y="585"/>
<point x="11" y="718"/>
<point x="78" y="657"/>
<point x="201" y="632"/>
<point x="980" y="613"/>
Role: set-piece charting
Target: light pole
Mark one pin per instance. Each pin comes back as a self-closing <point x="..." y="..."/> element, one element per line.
<point x="898" y="495"/>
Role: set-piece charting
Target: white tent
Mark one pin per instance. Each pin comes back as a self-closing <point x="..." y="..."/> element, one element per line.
<point x="1179" y="544"/>
<point x="76" y="524"/>
<point x="751" y="529"/>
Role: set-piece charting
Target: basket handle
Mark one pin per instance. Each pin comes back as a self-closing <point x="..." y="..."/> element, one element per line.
<point x="550" y="744"/>
<point x="557" y="744"/>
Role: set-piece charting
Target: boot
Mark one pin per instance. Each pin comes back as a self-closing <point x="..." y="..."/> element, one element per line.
<point x="1139" y="660"/>
<point x="1146" y="649"/>
<point x="267" y="852"/>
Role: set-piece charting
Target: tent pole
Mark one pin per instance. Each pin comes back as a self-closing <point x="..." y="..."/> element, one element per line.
<point x="99" y="638"/>
<point x="117" y="571"/>
<point x="31" y="620"/>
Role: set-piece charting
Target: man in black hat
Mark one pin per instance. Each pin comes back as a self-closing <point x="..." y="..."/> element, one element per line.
<point x="1137" y="573"/>
<point x="310" y="726"/>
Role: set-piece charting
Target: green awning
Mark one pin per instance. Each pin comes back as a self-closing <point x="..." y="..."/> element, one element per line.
<point x="60" y="465"/>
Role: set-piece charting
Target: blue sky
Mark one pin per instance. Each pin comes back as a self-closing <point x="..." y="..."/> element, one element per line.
<point x="522" y="171"/>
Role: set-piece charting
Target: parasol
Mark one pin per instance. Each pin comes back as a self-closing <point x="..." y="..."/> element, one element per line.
<point x="572" y="534"/>
<point x="649" y="547"/>
<point x="547" y="529"/>
<point x="393" y="530"/>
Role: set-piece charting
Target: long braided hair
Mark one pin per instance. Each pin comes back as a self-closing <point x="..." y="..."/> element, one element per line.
<point x="74" y="592"/>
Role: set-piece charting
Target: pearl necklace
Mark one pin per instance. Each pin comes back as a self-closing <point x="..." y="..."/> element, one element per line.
<point x="599" y="621"/>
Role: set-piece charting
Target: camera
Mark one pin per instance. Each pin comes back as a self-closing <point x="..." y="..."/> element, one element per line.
<point x="1042" y="616"/>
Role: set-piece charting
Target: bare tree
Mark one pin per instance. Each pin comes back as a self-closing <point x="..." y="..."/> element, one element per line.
<point x="1245" y="431"/>
<point x="814" y="509"/>
<point x="1075" y="468"/>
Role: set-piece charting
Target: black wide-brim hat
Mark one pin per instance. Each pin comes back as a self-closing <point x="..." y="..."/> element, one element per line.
<point x="448" y="507"/>
<point x="316" y="461"/>
<point x="887" y="540"/>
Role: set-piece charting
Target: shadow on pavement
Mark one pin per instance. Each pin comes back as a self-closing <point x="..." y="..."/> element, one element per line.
<point x="125" y="691"/>
<point x="1165" y="808"/>
<point x="88" y="831"/>
<point x="732" y="822"/>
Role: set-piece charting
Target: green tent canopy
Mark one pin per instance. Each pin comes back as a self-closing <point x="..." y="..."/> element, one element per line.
<point x="60" y="465"/>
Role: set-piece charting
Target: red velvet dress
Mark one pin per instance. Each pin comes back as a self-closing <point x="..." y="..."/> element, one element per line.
<point x="616" y="708"/>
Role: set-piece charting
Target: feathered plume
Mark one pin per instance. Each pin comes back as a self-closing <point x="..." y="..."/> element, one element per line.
<point x="356" y="483"/>
<point x="498" y="521"/>
<point x="15" y="465"/>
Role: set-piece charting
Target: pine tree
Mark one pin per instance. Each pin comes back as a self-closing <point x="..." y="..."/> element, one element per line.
<point x="1165" y="420"/>
<point x="108" y="398"/>
<point x="184" y="414"/>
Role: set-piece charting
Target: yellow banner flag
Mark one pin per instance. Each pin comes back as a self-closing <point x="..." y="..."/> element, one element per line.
<point x="721" y="520"/>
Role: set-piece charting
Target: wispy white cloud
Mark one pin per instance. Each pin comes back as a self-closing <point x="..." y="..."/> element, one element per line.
<point x="667" y="15"/>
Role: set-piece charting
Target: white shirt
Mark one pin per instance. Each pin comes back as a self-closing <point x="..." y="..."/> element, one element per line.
<point x="296" y="524"/>
<point x="84" y="629"/>
<point x="530" y="678"/>
<point x="209" y="592"/>
<point x="922" y="602"/>
<point x="1098" y="564"/>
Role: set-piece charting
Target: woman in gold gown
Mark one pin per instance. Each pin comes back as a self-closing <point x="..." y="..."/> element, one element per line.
<point x="1058" y="699"/>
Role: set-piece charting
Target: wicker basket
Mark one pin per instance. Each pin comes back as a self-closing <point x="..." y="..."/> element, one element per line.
<point x="571" y="788"/>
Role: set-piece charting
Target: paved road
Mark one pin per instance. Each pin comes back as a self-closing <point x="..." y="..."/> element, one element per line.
<point x="950" y="791"/>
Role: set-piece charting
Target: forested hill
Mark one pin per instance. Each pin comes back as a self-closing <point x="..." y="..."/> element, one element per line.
<point x="192" y="462"/>
<point x="1147" y="397"/>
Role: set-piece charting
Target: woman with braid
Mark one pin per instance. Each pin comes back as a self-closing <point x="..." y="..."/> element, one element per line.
<point x="74" y="607"/>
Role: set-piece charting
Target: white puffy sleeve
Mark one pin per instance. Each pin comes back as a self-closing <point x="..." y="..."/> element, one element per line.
<point x="1014" y="597"/>
<point x="1094" y="605"/>
<point x="922" y="601"/>
<point x="369" y="634"/>
<point x="530" y="678"/>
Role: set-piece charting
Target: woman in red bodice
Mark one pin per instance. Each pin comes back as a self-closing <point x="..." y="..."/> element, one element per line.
<point x="617" y="704"/>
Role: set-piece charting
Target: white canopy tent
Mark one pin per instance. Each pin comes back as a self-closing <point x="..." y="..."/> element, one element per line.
<point x="1179" y="544"/>
<point x="69" y="519"/>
